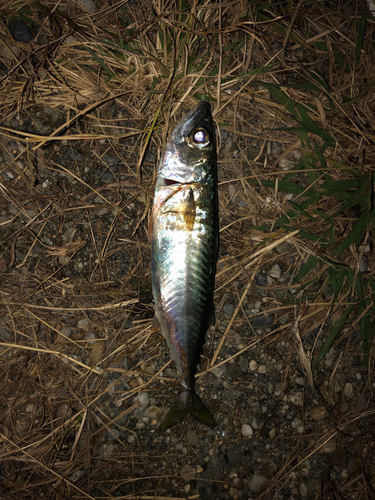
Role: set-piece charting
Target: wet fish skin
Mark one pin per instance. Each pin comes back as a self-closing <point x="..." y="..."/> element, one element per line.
<point x="184" y="242"/>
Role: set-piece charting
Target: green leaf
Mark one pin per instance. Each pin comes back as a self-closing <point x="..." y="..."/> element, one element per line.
<point x="306" y="268"/>
<point x="101" y="62"/>
<point x="358" y="231"/>
<point x="361" y="34"/>
<point x="333" y="334"/>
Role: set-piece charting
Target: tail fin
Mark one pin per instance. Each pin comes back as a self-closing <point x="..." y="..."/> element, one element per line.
<point x="188" y="402"/>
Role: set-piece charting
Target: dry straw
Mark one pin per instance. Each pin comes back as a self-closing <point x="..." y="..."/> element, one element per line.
<point x="293" y="85"/>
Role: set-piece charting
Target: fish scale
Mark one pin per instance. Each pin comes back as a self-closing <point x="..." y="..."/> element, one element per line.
<point x="184" y="240"/>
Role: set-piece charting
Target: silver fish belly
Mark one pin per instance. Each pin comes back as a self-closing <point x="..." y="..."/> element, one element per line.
<point x="184" y="242"/>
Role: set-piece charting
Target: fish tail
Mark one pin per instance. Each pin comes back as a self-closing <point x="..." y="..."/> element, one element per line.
<point x="190" y="403"/>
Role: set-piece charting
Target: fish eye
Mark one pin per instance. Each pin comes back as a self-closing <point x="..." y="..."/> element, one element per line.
<point x="201" y="137"/>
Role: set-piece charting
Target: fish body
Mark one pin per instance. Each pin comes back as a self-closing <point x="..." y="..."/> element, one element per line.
<point x="184" y="243"/>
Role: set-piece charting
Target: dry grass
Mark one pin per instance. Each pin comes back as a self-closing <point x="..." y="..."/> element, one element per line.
<point x="290" y="82"/>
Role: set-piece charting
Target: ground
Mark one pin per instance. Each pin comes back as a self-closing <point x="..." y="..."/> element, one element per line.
<point x="89" y="95"/>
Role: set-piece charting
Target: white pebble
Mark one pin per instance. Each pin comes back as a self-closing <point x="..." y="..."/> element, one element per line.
<point x="358" y="376"/>
<point x="348" y="391"/>
<point x="247" y="430"/>
<point x="262" y="369"/>
<point x="286" y="164"/>
<point x="143" y="399"/>
<point x="361" y="248"/>
<point x="275" y="271"/>
<point x="253" y="365"/>
<point x="303" y="490"/>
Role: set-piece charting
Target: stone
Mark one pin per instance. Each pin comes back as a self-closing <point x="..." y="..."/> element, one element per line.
<point x="257" y="482"/>
<point x="64" y="411"/>
<point x="20" y="31"/>
<point x="253" y="365"/>
<point x="243" y="363"/>
<point x="262" y="369"/>
<point x="4" y="335"/>
<point x="228" y="309"/>
<point x="234" y="454"/>
<point x="263" y="320"/>
<point x="88" y="5"/>
<point x="329" y="447"/>
<point x="113" y="434"/>
<point x="148" y="367"/>
<point x="66" y="330"/>
<point x="83" y="324"/>
<point x="261" y="279"/>
<point x="327" y="394"/>
<point x="234" y="371"/>
<point x="275" y="271"/>
<point x="192" y="438"/>
<point x="318" y="413"/>
<point x="143" y="399"/>
<point x="296" y="397"/>
<point x="247" y="430"/>
<point x="286" y="164"/>
<point x="303" y="490"/>
<point x="219" y="372"/>
<point x="187" y="471"/>
<point x="348" y="391"/>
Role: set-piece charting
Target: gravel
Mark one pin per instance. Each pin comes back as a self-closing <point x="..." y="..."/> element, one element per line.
<point x="268" y="418"/>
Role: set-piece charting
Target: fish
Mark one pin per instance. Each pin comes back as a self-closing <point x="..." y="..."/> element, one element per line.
<point x="184" y="235"/>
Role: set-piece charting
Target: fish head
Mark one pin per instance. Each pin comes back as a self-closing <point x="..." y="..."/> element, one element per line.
<point x="190" y="153"/>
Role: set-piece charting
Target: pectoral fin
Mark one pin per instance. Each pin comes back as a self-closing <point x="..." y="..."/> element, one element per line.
<point x="155" y="326"/>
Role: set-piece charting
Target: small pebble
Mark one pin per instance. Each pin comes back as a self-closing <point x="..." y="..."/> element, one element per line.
<point x="286" y="164"/>
<point x="253" y="365"/>
<point x="345" y="474"/>
<point x="187" y="471"/>
<point x="348" y="391"/>
<point x="275" y="271"/>
<point x="192" y="438"/>
<point x="262" y="369"/>
<point x="303" y="490"/>
<point x="247" y="430"/>
<point x="20" y="31"/>
<point x="257" y="482"/>
<point x="318" y="413"/>
<point x="143" y="399"/>
<point x="329" y="447"/>
<point x="219" y="372"/>
<point x="153" y="412"/>
<point x="228" y="309"/>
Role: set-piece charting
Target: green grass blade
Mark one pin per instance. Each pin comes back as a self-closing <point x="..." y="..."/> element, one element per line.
<point x="358" y="231"/>
<point x="361" y="34"/>
<point x="333" y="334"/>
